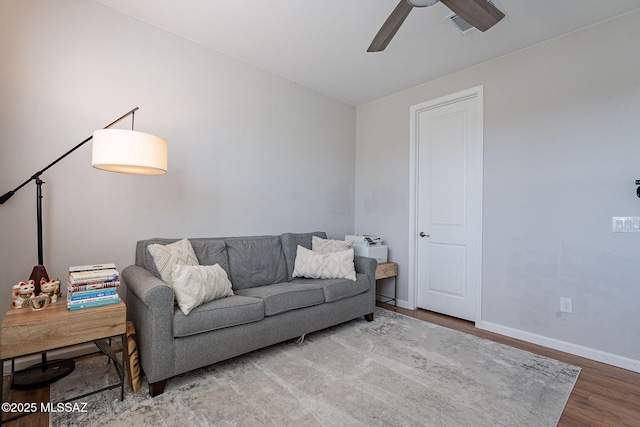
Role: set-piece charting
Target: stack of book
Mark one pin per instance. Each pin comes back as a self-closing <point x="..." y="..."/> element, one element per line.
<point x="92" y="286"/>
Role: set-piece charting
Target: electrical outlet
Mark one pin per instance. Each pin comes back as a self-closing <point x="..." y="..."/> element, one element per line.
<point x="566" y="305"/>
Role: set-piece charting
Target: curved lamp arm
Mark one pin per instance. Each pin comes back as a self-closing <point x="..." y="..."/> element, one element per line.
<point x="36" y="176"/>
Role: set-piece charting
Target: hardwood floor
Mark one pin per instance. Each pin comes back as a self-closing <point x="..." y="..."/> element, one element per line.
<point x="603" y="395"/>
<point x="40" y="419"/>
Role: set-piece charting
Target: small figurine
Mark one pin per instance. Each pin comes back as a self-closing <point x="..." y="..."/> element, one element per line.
<point x="50" y="288"/>
<point x="23" y="292"/>
<point x="39" y="303"/>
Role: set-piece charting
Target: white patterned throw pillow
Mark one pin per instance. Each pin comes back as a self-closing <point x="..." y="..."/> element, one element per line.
<point x="165" y="257"/>
<point x="196" y="284"/>
<point x="325" y="246"/>
<point x="333" y="265"/>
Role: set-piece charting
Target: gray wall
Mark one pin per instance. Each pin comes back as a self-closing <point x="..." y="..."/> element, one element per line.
<point x="249" y="152"/>
<point x="561" y="155"/>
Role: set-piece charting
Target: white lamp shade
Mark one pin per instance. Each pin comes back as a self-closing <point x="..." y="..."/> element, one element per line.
<point x="129" y="151"/>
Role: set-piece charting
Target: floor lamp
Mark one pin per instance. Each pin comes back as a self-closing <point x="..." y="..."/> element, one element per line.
<point x="115" y="150"/>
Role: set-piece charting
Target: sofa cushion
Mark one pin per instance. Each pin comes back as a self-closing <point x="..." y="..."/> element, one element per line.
<point x="211" y="252"/>
<point x="218" y="314"/>
<point x="333" y="265"/>
<point x="208" y="252"/>
<point x="287" y="296"/>
<point x="194" y="285"/>
<point x="144" y="257"/>
<point x="165" y="257"/>
<point x="255" y="261"/>
<point x="337" y="289"/>
<point x="290" y="243"/>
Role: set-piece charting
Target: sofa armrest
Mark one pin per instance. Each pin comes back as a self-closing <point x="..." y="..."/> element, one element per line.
<point x="147" y="287"/>
<point x="150" y="308"/>
<point x="367" y="266"/>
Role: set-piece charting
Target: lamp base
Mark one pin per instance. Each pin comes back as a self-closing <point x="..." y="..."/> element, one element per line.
<point x="38" y="273"/>
<point x="42" y="375"/>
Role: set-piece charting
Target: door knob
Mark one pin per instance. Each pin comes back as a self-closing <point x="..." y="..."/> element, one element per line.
<point x="423" y="235"/>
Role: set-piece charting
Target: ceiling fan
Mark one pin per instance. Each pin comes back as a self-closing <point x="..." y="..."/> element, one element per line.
<point x="478" y="13"/>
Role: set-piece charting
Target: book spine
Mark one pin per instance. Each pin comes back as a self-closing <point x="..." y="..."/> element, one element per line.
<point x="93" y="304"/>
<point x="72" y="288"/>
<point x="77" y="275"/>
<point x="75" y="296"/>
<point x="94" y="281"/>
<point x="92" y="267"/>
<point x="76" y="279"/>
<point x="91" y="300"/>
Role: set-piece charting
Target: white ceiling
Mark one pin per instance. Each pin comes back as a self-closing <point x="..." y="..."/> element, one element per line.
<point x="322" y="44"/>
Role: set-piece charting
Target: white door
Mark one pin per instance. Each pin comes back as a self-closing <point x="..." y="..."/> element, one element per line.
<point x="448" y="190"/>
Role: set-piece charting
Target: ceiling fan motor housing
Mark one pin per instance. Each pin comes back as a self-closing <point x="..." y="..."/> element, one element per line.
<point x="422" y="3"/>
<point x="481" y="14"/>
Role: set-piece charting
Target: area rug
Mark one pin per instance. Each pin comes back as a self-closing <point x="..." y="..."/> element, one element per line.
<point x="394" y="371"/>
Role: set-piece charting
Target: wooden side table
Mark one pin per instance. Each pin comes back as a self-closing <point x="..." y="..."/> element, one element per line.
<point x="385" y="270"/>
<point x="25" y="332"/>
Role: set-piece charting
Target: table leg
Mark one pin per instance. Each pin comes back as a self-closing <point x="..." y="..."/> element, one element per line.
<point x="4" y="399"/>
<point x="395" y="293"/>
<point x="123" y="337"/>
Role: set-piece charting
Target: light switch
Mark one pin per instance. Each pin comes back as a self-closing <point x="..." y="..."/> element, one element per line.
<point x="625" y="224"/>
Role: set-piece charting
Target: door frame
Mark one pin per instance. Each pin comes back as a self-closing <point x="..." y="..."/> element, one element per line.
<point x="475" y="92"/>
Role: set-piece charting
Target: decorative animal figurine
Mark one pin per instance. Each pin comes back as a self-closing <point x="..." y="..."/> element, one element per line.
<point x="39" y="303"/>
<point x="23" y="292"/>
<point x="50" y="288"/>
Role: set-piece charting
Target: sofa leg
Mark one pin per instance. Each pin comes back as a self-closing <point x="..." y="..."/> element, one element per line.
<point x="369" y="317"/>
<point x="157" y="388"/>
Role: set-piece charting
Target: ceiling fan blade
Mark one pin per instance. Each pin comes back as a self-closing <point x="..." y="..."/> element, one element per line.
<point x="390" y="27"/>
<point x="479" y="13"/>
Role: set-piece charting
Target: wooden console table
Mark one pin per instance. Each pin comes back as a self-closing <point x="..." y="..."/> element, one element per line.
<point x="25" y="332"/>
<point x="386" y="270"/>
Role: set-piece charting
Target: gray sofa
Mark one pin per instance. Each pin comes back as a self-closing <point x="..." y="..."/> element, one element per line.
<point x="268" y="306"/>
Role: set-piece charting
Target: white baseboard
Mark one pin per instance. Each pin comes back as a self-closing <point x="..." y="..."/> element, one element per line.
<point x="404" y="304"/>
<point x="64" y="353"/>
<point x="578" y="350"/>
<point x="399" y="303"/>
<point x="575" y="349"/>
